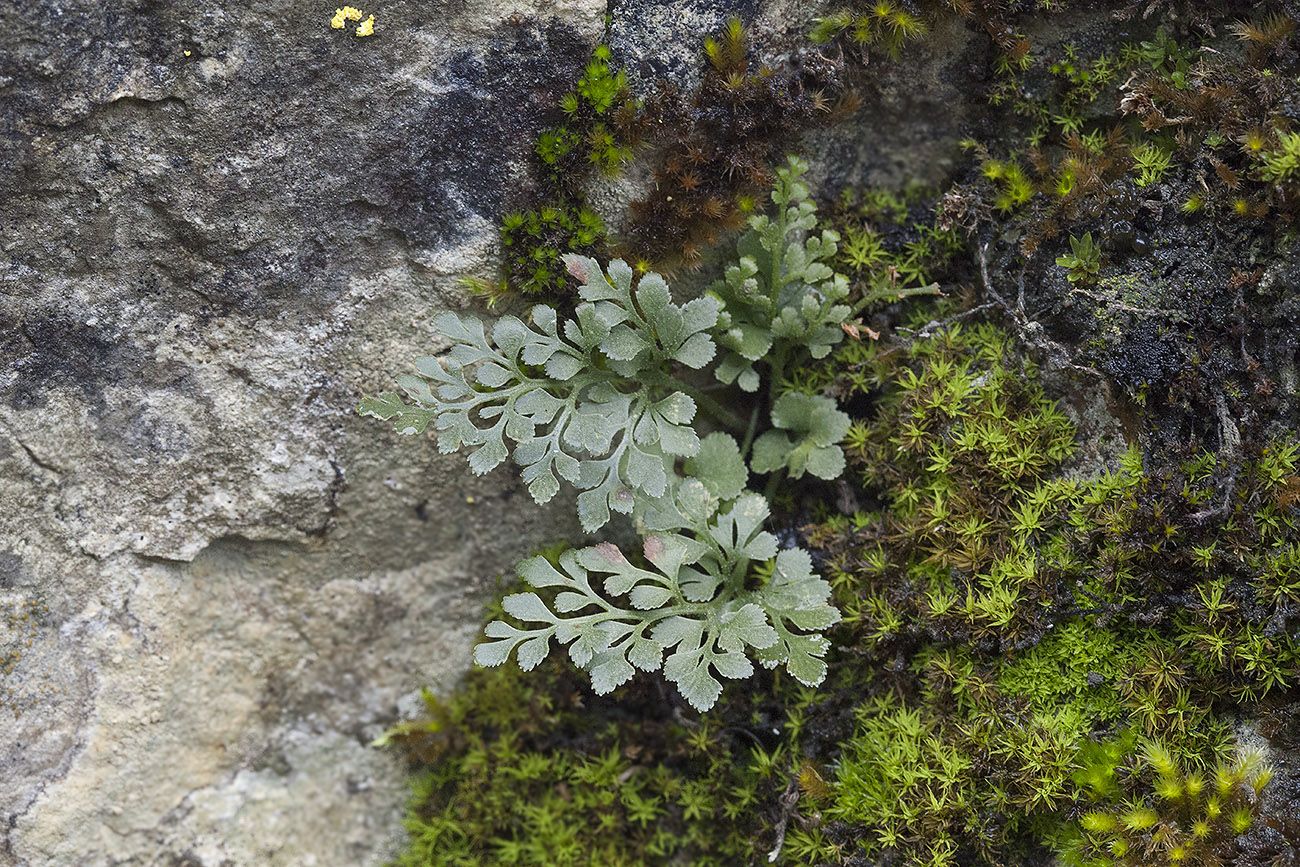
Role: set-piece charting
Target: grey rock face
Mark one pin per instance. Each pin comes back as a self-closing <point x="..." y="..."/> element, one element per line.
<point x="222" y="224"/>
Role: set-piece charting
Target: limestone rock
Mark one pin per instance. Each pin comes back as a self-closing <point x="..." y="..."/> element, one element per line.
<point x="224" y="223"/>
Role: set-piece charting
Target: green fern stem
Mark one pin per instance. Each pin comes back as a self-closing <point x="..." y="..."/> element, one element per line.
<point x="777" y="373"/>
<point x="750" y="431"/>
<point x="891" y="293"/>
<point x="775" y="277"/>
<point x="773" y="485"/>
<point x="773" y="386"/>
<point x="776" y="280"/>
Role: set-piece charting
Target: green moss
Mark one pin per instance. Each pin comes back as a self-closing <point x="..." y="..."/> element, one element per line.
<point x="1154" y="812"/>
<point x="599" y="125"/>
<point x="885" y="25"/>
<point x="718" y="143"/>
<point x="934" y="787"/>
<point x="894" y="242"/>
<point x="1283" y="163"/>
<point x="1015" y="612"/>
<point x="535" y="240"/>
<point x="1013" y="185"/>
<point x="1085" y="136"/>
<point x="598" y="132"/>
<point x="532" y="769"/>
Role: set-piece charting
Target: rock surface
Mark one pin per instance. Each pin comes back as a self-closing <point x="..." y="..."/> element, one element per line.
<point x="223" y="223"/>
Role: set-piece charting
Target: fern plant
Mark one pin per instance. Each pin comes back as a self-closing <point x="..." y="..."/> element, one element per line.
<point x="606" y="403"/>
<point x="782" y="297"/>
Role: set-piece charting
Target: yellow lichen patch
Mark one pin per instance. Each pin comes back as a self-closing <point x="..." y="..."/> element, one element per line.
<point x="367" y="27"/>
<point x="347" y="13"/>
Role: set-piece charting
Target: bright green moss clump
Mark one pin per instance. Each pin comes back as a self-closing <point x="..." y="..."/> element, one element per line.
<point x="987" y="544"/>
<point x="535" y="240"/>
<point x="1162" y="813"/>
<point x="599" y="131"/>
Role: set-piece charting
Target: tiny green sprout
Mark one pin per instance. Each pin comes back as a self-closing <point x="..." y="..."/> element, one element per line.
<point x="1083" y="262"/>
<point x="1098" y="823"/>
<point x="1069" y="124"/>
<point x="1169" y="789"/>
<point x="826" y="28"/>
<point x="1015" y="187"/>
<point x="1139" y="818"/>
<point x="886" y="25"/>
<point x="1160" y="759"/>
<point x="491" y="292"/>
<point x="903" y="26"/>
<point x="862" y="249"/>
<point x="1240" y="820"/>
<point x="1095" y="141"/>
<point x="554" y="144"/>
<point x="1204" y="555"/>
<point x="1151" y="163"/>
<point x="598" y="86"/>
<point x="1282" y="164"/>
<point x="1249" y="765"/>
<point x="1193" y="204"/>
<point x="1225" y="779"/>
<point x="1277" y="463"/>
<point x="1064" y="184"/>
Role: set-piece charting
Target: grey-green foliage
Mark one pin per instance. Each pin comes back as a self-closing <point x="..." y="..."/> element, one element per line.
<point x="782" y="296"/>
<point x="603" y="402"/>
<point x="589" y="403"/>
<point x="817" y="427"/>
<point x="690" y="600"/>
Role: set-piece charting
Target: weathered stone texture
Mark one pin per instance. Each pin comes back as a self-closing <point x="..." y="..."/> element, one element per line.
<point x="222" y="224"/>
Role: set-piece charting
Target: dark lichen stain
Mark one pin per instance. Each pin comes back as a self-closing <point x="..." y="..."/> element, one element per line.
<point x="60" y="351"/>
<point x="1146" y="354"/>
<point x="470" y="140"/>
<point x="189" y="859"/>
<point x="267" y="278"/>
<point x="11" y="569"/>
<point x="251" y="215"/>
